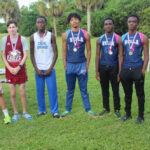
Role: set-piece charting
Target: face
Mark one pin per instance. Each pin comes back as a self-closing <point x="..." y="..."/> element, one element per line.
<point x="40" y="23"/>
<point x="12" y="29"/>
<point x="108" y="26"/>
<point x="132" y="23"/>
<point x="74" y="22"/>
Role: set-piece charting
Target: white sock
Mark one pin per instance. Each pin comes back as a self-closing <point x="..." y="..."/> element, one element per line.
<point x="5" y="111"/>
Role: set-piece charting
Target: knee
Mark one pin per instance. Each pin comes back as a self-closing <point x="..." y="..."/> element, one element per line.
<point x="22" y="90"/>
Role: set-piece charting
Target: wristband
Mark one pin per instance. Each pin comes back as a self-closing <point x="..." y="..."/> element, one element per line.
<point x="20" y="66"/>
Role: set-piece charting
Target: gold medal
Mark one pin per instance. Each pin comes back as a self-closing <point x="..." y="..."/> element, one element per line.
<point x="42" y="50"/>
<point x="110" y="53"/>
<point x="130" y="53"/>
<point x="75" y="49"/>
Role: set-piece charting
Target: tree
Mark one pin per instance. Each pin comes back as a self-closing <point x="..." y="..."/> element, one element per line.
<point x="9" y="9"/>
<point x="88" y="5"/>
<point x="54" y="8"/>
<point x="27" y="23"/>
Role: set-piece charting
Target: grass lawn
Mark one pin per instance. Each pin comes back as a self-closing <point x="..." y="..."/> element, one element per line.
<point x="79" y="131"/>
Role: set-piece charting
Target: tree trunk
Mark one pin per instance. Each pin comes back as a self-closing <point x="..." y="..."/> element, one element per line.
<point x="89" y="19"/>
<point x="54" y="24"/>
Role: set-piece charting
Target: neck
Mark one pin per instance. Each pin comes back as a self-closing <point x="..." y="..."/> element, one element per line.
<point x="132" y="31"/>
<point x="110" y="33"/>
<point x="41" y="31"/>
<point x="14" y="36"/>
<point x="75" y="29"/>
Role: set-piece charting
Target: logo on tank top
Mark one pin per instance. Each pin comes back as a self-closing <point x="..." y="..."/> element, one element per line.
<point x="42" y="45"/>
<point x="8" y="43"/>
<point x="108" y="43"/>
<point x="75" y="39"/>
<point x="14" y="56"/>
<point x="132" y="42"/>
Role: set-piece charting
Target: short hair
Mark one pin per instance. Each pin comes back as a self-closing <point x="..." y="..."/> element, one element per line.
<point x="109" y="18"/>
<point x="12" y="22"/>
<point x="134" y="15"/>
<point x="73" y="15"/>
<point x="42" y="17"/>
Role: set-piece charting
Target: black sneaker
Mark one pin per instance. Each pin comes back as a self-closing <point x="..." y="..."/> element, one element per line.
<point x="117" y="113"/>
<point x="126" y="117"/>
<point x="56" y="115"/>
<point x="104" y="112"/>
<point x="41" y="114"/>
<point x="139" y="120"/>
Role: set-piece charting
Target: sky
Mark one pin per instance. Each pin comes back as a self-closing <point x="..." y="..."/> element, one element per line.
<point x="25" y="2"/>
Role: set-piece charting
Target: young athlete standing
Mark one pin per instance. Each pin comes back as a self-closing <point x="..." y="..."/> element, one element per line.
<point x="107" y="66"/>
<point x="75" y="62"/>
<point x="131" y="66"/>
<point x="43" y="52"/>
<point x="14" y="54"/>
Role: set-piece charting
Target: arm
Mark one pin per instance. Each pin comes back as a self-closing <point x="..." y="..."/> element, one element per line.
<point x="64" y="49"/>
<point x="17" y="69"/>
<point x="97" y="58"/>
<point x="40" y="73"/>
<point x="55" y="51"/>
<point x="6" y="63"/>
<point x="120" y="56"/>
<point x="88" y="47"/>
<point x="146" y="54"/>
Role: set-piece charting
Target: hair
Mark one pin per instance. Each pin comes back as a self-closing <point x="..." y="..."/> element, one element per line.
<point x="109" y="18"/>
<point x="42" y="17"/>
<point x="136" y="16"/>
<point x="73" y="15"/>
<point x="12" y="22"/>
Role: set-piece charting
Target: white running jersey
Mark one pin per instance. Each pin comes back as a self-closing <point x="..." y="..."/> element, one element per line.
<point x="43" y="51"/>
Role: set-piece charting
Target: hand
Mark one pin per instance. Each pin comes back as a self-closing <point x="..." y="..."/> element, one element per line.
<point x="48" y="72"/>
<point x="16" y="70"/>
<point x="118" y="77"/>
<point x="39" y="72"/>
<point x="98" y="76"/>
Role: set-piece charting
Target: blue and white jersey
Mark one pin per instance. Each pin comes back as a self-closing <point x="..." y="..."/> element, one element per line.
<point x="77" y="56"/>
<point x="135" y="58"/>
<point x="105" y="45"/>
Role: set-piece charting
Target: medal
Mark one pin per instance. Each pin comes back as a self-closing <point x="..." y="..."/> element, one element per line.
<point x="130" y="53"/>
<point x="131" y="46"/>
<point x="42" y="50"/>
<point x="75" y="49"/>
<point x="75" y="43"/>
<point x="110" y="48"/>
<point x="110" y="52"/>
<point x="13" y="45"/>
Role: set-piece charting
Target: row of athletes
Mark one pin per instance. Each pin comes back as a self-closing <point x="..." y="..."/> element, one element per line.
<point x="117" y="58"/>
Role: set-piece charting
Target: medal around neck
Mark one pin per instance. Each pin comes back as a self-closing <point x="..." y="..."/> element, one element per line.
<point x="75" y="42"/>
<point x="110" y="52"/>
<point x="130" y="53"/>
<point x="75" y="49"/>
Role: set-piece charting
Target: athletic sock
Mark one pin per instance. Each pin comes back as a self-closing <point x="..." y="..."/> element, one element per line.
<point x="5" y="111"/>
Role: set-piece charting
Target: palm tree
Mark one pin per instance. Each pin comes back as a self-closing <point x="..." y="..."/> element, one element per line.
<point x="9" y="9"/>
<point x="54" y="8"/>
<point x="88" y="5"/>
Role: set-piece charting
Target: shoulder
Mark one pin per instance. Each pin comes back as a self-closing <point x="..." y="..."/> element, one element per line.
<point x="124" y="36"/>
<point x="4" y="38"/>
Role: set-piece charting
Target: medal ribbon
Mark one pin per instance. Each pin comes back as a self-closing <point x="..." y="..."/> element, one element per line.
<point x="75" y="43"/>
<point x="42" y="38"/>
<point x="109" y="49"/>
<point x="13" y="45"/>
<point x="131" y="46"/>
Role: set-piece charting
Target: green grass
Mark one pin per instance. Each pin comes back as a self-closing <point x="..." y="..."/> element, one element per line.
<point x="79" y="131"/>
